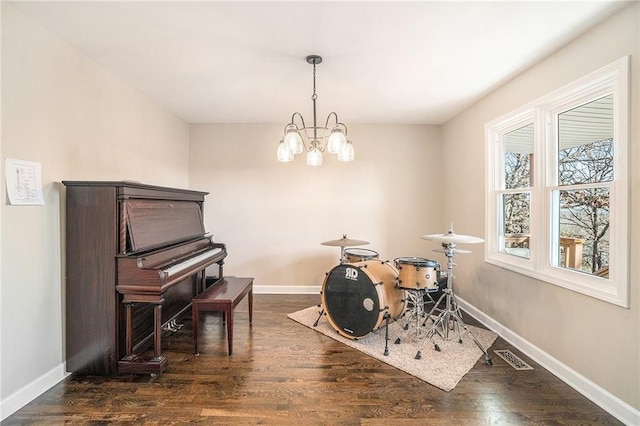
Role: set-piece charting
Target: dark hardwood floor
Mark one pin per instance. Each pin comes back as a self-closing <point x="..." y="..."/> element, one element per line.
<point x="284" y="373"/>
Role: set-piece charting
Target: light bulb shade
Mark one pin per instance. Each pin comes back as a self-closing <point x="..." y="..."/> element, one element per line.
<point x="284" y="153"/>
<point x="294" y="141"/>
<point x="314" y="157"/>
<point x="346" y="152"/>
<point x="336" y="141"/>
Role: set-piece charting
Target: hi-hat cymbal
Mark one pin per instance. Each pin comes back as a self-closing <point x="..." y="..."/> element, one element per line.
<point x="452" y="238"/>
<point x="453" y="250"/>
<point x="344" y="242"/>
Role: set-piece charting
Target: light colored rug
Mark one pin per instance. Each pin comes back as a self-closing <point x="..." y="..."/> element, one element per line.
<point x="442" y="369"/>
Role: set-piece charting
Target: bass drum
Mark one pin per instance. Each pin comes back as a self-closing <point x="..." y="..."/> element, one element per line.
<point x="357" y="296"/>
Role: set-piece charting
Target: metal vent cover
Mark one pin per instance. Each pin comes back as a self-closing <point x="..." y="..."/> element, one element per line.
<point x="512" y="359"/>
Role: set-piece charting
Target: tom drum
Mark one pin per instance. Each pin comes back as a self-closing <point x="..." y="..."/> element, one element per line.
<point x="353" y="255"/>
<point x="417" y="273"/>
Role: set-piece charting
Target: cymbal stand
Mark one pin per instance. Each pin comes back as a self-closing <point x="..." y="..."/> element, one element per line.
<point x="450" y="317"/>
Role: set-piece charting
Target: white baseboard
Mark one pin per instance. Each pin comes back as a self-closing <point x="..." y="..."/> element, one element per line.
<point x="23" y="396"/>
<point x="599" y="396"/>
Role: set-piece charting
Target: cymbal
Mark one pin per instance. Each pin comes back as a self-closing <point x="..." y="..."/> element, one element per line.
<point x="344" y="242"/>
<point x="452" y="238"/>
<point x="455" y="251"/>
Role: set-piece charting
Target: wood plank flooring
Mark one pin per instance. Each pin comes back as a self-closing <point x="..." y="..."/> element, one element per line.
<point x="284" y="373"/>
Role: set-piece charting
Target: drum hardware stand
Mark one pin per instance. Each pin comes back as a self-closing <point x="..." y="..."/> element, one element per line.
<point x="435" y="310"/>
<point x="315" y="324"/>
<point x="450" y="316"/>
<point x="417" y="309"/>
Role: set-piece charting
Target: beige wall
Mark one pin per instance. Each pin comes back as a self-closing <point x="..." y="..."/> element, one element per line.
<point x="598" y="340"/>
<point x="79" y="122"/>
<point x="273" y="216"/>
<point x="62" y="110"/>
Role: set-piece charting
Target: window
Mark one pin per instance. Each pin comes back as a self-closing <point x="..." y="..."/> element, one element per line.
<point x="557" y="187"/>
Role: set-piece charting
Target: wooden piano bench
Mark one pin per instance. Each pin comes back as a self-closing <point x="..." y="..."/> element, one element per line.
<point x="222" y="297"/>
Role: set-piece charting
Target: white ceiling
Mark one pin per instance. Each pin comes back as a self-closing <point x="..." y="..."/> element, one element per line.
<point x="387" y="62"/>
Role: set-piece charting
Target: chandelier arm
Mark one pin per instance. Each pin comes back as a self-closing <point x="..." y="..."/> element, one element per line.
<point x="335" y="117"/>
<point x="337" y="123"/>
<point x="293" y="117"/>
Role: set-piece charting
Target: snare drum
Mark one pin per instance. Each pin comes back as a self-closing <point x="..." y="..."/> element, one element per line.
<point x="353" y="255"/>
<point x="356" y="297"/>
<point x="417" y="273"/>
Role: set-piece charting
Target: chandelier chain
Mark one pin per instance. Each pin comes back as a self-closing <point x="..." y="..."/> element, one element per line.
<point x="314" y="97"/>
<point x="315" y="142"/>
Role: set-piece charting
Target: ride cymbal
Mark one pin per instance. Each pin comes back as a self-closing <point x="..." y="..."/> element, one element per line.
<point x="344" y="242"/>
<point x="452" y="238"/>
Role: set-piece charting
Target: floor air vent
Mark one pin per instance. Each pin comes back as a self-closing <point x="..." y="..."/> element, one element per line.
<point x="513" y="360"/>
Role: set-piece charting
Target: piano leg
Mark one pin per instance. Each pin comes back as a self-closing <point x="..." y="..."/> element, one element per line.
<point x="132" y="363"/>
<point x="195" y="321"/>
<point x="202" y="284"/>
<point x="157" y="332"/>
<point x="128" y="332"/>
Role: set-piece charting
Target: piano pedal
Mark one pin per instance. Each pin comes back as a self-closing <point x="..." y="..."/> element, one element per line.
<point x="168" y="327"/>
<point x="172" y="326"/>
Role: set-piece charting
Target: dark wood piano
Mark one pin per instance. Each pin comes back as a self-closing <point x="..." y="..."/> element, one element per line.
<point x="135" y="257"/>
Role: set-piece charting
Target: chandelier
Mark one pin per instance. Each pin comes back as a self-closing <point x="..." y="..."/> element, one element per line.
<point x="298" y="137"/>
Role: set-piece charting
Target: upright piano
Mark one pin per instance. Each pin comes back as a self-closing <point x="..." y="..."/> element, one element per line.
<point x="135" y="257"/>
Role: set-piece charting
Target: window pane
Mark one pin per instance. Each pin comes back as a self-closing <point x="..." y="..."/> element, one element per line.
<point x="516" y="214"/>
<point x="585" y="143"/>
<point x="584" y="230"/>
<point x="518" y="151"/>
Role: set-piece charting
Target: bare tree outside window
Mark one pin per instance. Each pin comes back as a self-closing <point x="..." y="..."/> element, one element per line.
<point x="516" y="205"/>
<point x="584" y="213"/>
<point x="585" y="159"/>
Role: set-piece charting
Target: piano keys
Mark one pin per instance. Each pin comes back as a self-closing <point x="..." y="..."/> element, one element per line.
<point x="136" y="256"/>
<point x="144" y="273"/>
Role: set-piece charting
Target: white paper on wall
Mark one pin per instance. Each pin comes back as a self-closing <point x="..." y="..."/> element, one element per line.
<point x="24" y="182"/>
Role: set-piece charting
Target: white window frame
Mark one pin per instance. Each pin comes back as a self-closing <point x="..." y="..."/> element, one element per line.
<point x="611" y="79"/>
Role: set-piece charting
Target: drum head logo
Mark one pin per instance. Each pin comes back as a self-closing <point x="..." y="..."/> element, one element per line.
<point x="351" y="274"/>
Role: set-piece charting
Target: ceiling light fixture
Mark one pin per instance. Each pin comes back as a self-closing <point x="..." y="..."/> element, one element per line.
<point x="315" y="139"/>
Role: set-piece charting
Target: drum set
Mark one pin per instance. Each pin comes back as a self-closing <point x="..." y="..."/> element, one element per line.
<point x="362" y="293"/>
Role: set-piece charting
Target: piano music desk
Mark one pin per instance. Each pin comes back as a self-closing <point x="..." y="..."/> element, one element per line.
<point x="222" y="297"/>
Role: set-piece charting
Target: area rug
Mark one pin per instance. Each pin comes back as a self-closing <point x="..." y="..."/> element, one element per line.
<point x="442" y="369"/>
